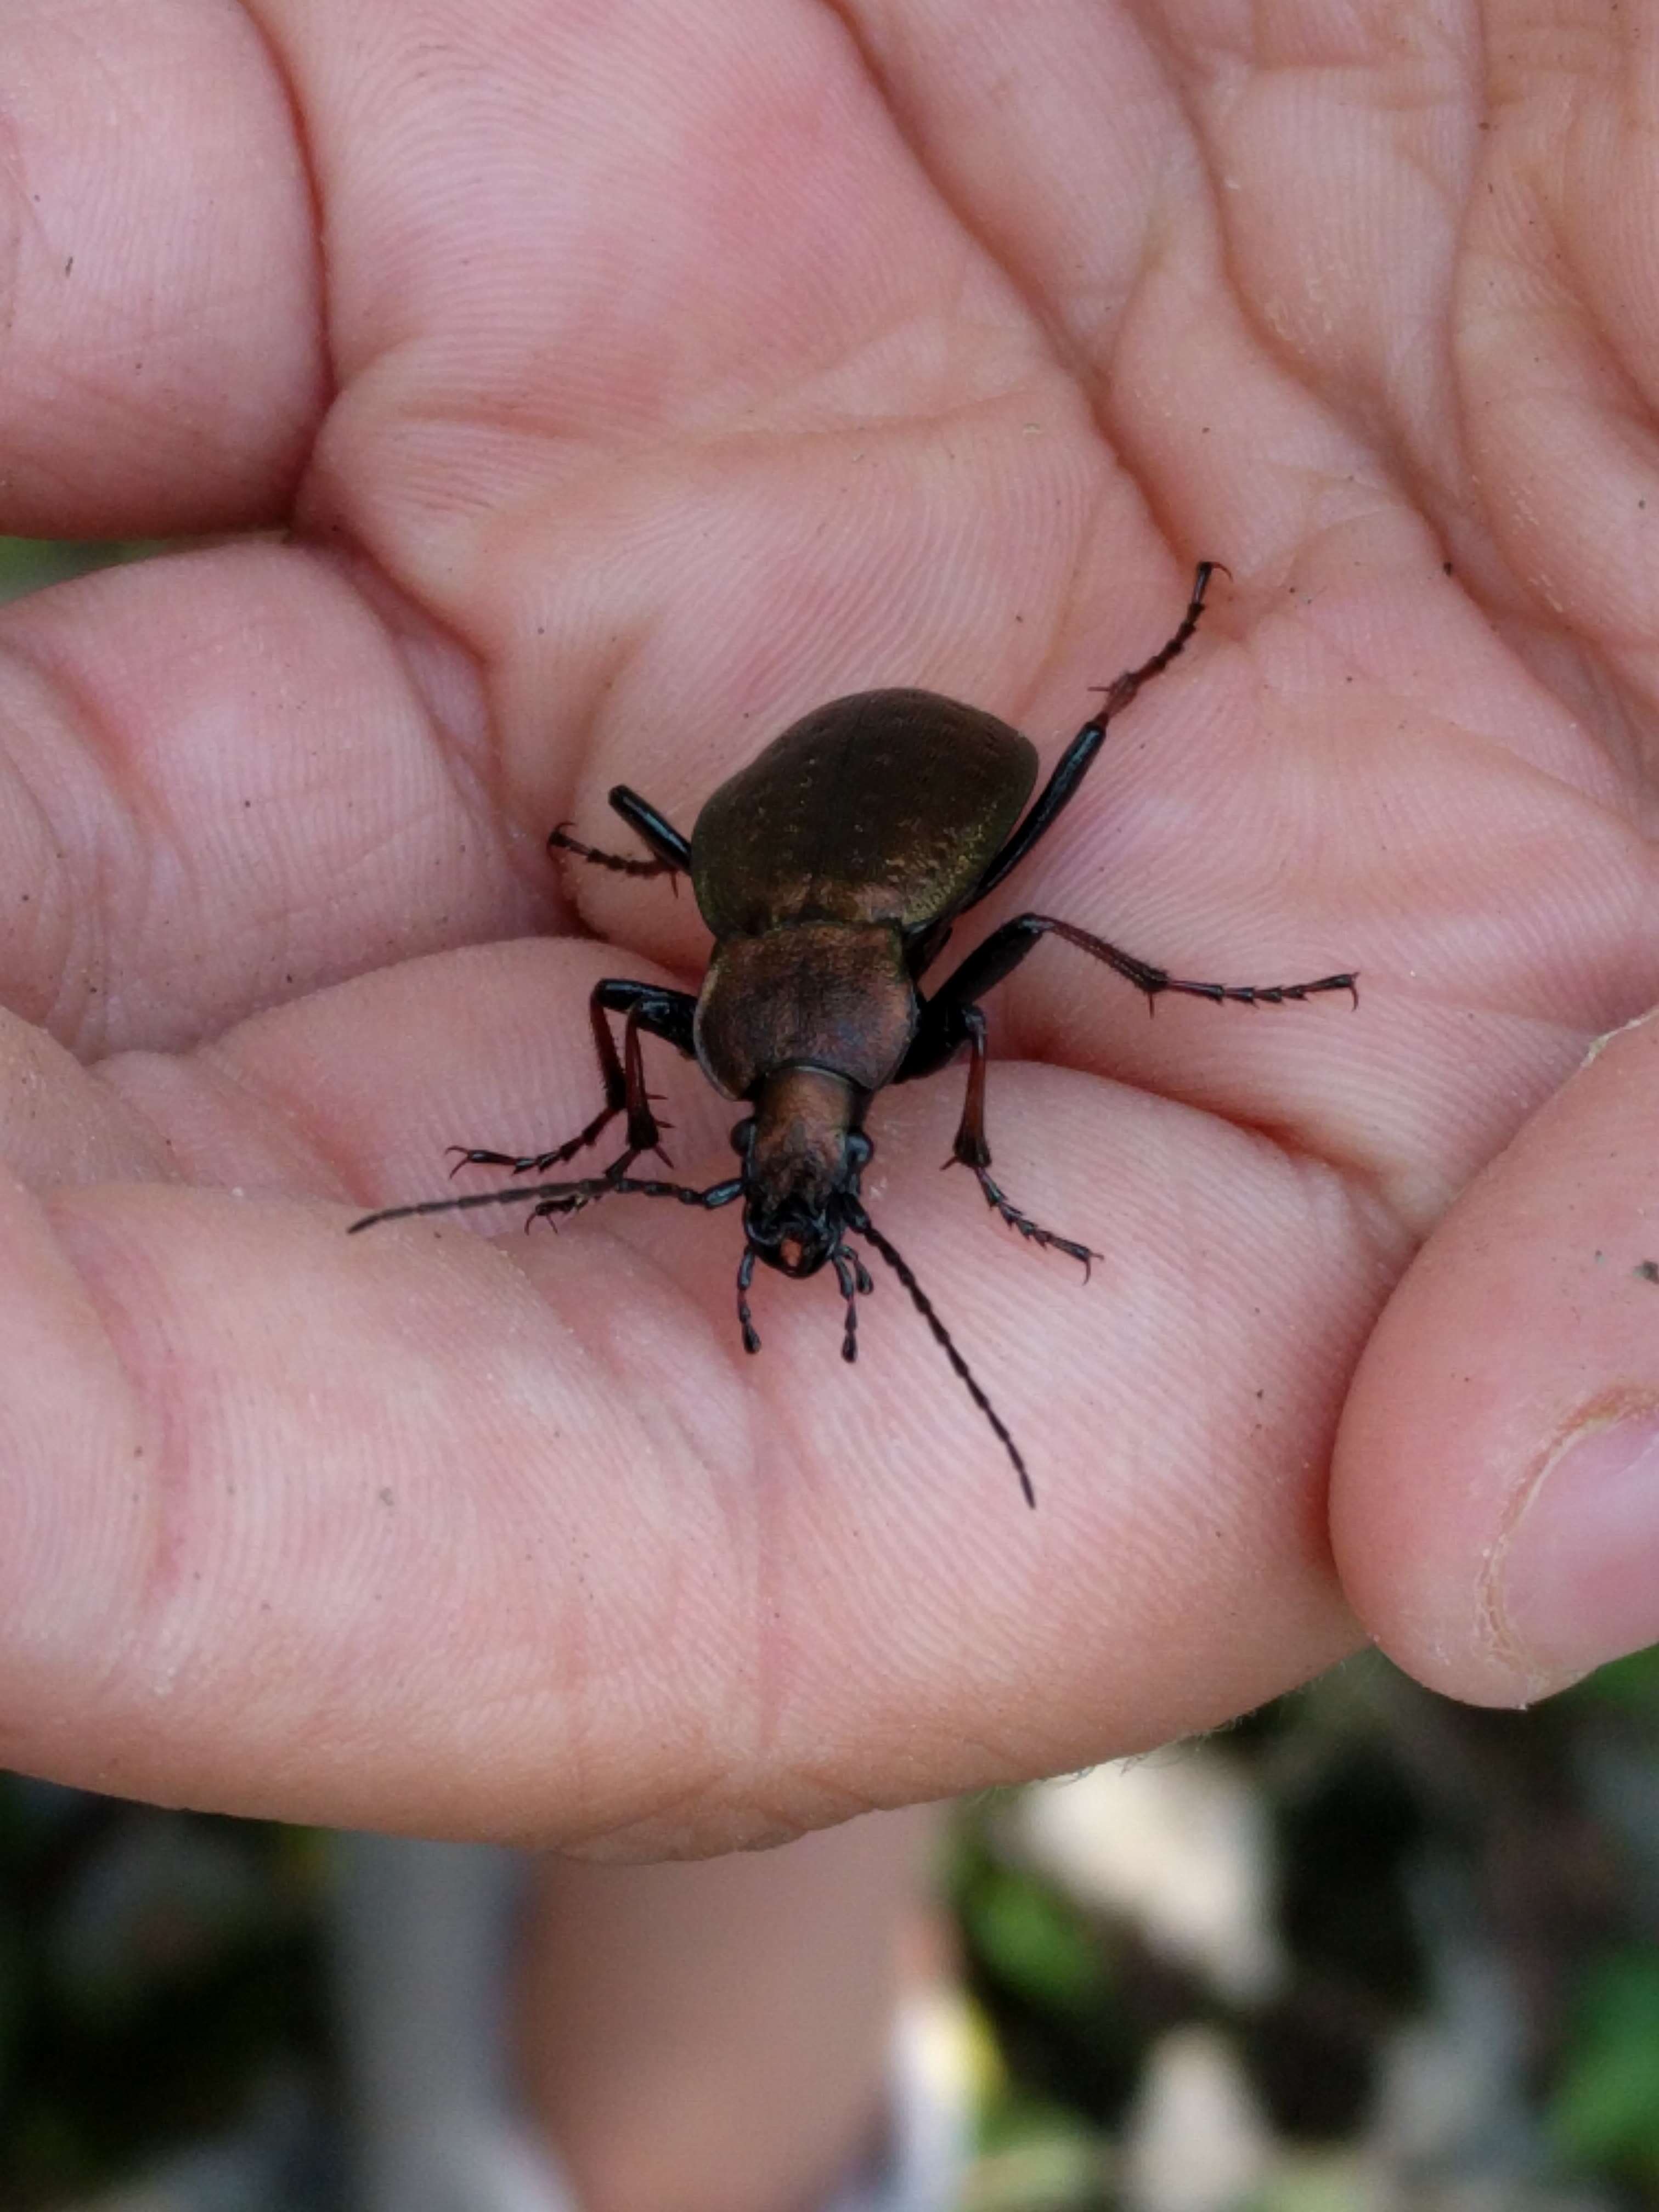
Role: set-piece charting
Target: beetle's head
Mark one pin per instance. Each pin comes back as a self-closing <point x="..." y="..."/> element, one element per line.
<point x="802" y="1153"/>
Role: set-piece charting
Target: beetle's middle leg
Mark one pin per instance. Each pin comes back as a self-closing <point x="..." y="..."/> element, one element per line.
<point x="949" y="1021"/>
<point x="1005" y="948"/>
<point x="647" y="1006"/>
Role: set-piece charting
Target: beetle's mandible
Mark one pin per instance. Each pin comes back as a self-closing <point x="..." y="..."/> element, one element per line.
<point x="831" y="871"/>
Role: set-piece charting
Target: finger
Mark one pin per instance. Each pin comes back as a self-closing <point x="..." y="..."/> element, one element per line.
<point x="416" y="1529"/>
<point x="1496" y="1489"/>
<point x="230" y="777"/>
<point x="163" y="367"/>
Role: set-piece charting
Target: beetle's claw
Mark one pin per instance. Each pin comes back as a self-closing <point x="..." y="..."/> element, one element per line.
<point x="475" y="1156"/>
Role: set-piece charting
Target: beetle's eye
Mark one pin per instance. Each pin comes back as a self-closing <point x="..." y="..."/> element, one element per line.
<point x="742" y="1136"/>
<point x="858" y="1148"/>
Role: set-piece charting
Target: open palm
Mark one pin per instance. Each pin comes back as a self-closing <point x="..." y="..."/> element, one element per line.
<point x="635" y="378"/>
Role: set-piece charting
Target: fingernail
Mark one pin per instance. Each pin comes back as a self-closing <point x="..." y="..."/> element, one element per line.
<point x="1577" y="1580"/>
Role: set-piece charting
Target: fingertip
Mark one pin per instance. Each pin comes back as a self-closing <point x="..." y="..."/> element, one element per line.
<point x="1495" y="1509"/>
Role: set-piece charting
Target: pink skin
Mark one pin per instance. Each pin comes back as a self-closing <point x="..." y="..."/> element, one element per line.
<point x="635" y="379"/>
<point x="714" y="2037"/>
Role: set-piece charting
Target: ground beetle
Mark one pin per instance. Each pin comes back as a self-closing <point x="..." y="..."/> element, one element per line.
<point x="831" y="871"/>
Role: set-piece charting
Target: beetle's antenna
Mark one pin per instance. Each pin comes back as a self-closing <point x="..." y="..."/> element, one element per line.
<point x="860" y="1221"/>
<point x="563" y="1197"/>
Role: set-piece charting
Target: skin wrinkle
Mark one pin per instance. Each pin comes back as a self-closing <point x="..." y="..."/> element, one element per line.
<point x="150" y="826"/>
<point x="1553" y="264"/>
<point x="294" y="1127"/>
<point x="60" y="913"/>
<point x="299" y="139"/>
<point x="75" y="1020"/>
<point x="14" y="213"/>
<point x="1084" y="373"/>
<point x="163" y="1163"/>
<point x="1408" y="480"/>
<point x="471" y="765"/>
<point x="165" y="1471"/>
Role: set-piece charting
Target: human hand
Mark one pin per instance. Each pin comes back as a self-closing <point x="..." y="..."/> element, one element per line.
<point x="635" y="381"/>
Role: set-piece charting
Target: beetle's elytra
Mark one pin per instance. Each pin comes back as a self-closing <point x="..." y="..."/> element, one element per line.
<point x="830" y="871"/>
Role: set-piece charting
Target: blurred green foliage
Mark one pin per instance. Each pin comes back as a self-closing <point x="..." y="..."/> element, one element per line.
<point x="1630" y="1686"/>
<point x="1605" y="2111"/>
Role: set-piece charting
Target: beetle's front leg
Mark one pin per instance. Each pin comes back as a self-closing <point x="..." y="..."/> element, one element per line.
<point x="673" y="852"/>
<point x="666" y="1014"/>
<point x="971" y="1149"/>
<point x="949" y="1021"/>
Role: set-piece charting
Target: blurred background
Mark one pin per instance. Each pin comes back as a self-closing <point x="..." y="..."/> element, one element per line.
<point x="1367" y="1951"/>
<point x="1364" y="1951"/>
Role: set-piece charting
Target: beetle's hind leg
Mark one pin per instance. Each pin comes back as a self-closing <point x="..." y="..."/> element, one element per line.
<point x="666" y="1014"/>
<point x="672" y="851"/>
<point x="1073" y="763"/>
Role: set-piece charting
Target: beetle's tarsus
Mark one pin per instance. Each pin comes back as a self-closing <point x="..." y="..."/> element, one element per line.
<point x="623" y="864"/>
<point x="1029" y="1229"/>
<point x="524" y="1163"/>
<point x="1122" y="689"/>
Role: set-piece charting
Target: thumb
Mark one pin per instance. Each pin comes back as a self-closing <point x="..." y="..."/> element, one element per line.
<point x="1495" y="1491"/>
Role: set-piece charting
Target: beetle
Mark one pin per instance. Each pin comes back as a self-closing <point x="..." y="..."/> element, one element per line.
<point x="831" y="871"/>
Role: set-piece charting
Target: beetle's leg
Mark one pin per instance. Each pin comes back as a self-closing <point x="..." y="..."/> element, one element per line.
<point x="947" y="1023"/>
<point x="666" y="1014"/>
<point x="971" y="1149"/>
<point x="673" y="852"/>
<point x="644" y="1130"/>
<point x="1075" y="761"/>
<point x="1005" y="948"/>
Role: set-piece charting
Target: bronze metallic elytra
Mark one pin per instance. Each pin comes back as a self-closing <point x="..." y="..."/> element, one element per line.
<point x="831" y="871"/>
